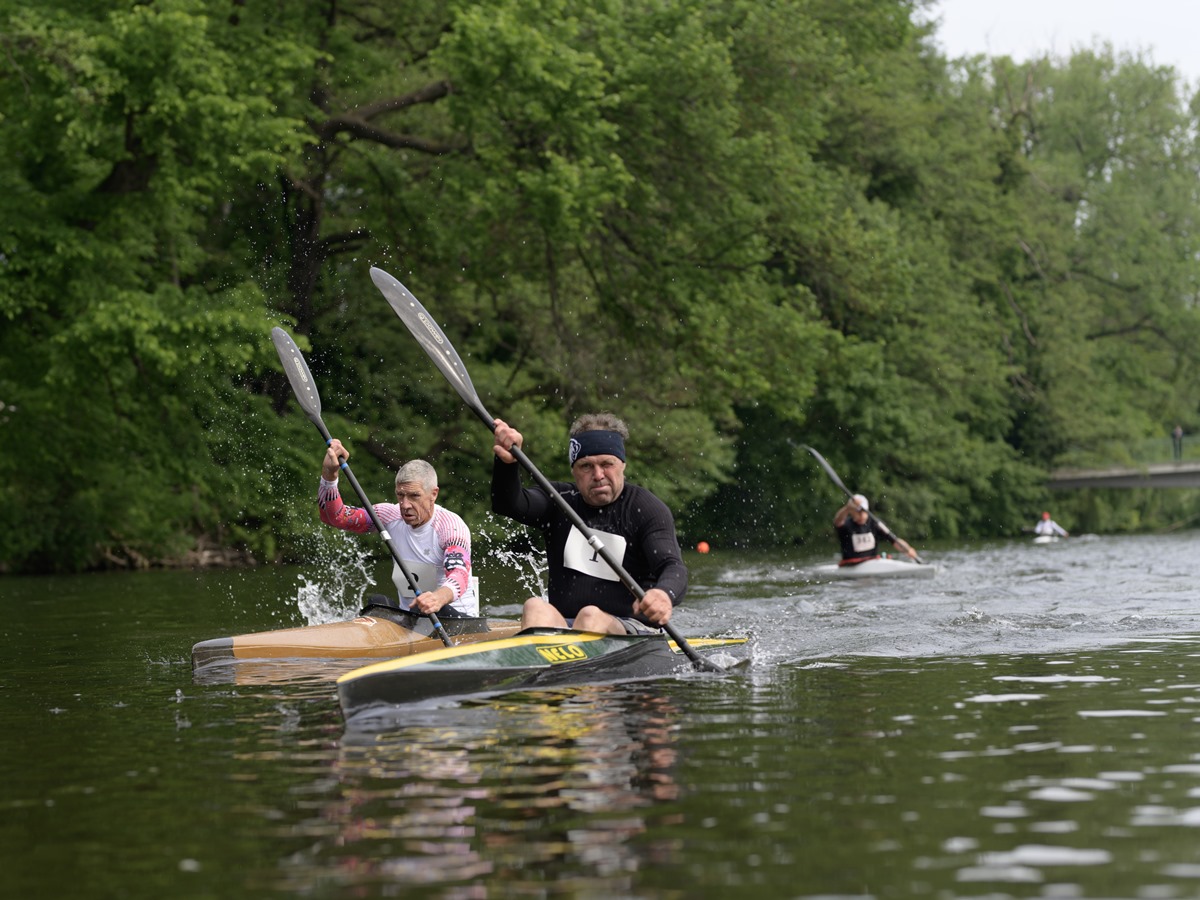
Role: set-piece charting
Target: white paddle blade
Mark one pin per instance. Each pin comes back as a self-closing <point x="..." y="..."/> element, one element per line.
<point x="431" y="338"/>
<point x="297" y="372"/>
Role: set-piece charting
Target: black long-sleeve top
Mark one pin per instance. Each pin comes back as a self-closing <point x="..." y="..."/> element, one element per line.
<point x="637" y="529"/>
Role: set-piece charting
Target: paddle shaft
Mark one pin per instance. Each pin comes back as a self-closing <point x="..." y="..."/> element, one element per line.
<point x="438" y="347"/>
<point x="891" y="535"/>
<point x="305" y="390"/>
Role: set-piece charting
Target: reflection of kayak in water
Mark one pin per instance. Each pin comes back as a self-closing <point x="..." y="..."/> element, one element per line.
<point x="879" y="567"/>
<point x="1047" y="539"/>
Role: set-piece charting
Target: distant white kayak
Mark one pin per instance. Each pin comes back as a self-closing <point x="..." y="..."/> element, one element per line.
<point x="1047" y="539"/>
<point x="880" y="567"/>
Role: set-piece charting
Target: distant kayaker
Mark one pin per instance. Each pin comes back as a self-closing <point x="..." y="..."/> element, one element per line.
<point x="1049" y="527"/>
<point x="860" y="533"/>
<point x="635" y="526"/>
<point x="434" y="542"/>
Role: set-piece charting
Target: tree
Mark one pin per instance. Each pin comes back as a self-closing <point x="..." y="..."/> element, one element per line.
<point x="745" y="227"/>
<point x="123" y="133"/>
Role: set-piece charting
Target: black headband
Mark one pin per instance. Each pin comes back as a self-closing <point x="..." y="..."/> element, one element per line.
<point x="596" y="443"/>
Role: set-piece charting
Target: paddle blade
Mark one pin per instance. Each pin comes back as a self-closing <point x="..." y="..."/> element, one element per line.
<point x="431" y="338"/>
<point x="297" y="373"/>
<point x="828" y="470"/>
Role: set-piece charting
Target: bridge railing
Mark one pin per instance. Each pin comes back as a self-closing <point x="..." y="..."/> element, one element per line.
<point x="1147" y="451"/>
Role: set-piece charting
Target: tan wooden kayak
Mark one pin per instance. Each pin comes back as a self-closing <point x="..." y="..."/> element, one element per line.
<point x="380" y="632"/>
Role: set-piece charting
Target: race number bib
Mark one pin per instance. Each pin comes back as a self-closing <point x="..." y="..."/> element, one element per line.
<point x="862" y="543"/>
<point x="580" y="556"/>
<point x="425" y="575"/>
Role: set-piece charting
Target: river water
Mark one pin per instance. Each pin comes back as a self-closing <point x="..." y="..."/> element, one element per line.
<point x="1024" y="724"/>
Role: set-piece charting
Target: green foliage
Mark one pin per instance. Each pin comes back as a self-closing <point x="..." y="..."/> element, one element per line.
<point x="122" y="134"/>
<point x="744" y="227"/>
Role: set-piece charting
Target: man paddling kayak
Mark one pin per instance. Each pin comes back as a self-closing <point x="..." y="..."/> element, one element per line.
<point x="635" y="526"/>
<point x="434" y="542"/>
<point x="860" y="533"/>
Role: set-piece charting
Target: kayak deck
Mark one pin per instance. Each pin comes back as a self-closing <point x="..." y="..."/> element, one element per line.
<point x="880" y="567"/>
<point x="536" y="657"/>
<point x="377" y="632"/>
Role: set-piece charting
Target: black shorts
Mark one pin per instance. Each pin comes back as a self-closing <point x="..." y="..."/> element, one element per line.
<point x="632" y="626"/>
<point x="636" y="626"/>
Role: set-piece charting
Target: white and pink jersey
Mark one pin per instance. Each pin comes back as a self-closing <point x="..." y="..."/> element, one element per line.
<point x="437" y="553"/>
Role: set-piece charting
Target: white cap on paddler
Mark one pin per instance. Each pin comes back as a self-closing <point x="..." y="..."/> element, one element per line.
<point x="861" y="501"/>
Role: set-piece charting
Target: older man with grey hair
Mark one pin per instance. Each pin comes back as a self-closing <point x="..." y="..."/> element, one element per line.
<point x="434" y="542"/>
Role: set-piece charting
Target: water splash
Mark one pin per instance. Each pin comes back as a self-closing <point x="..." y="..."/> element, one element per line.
<point x="506" y="542"/>
<point x="335" y="588"/>
<point x="339" y="574"/>
<point x="529" y="567"/>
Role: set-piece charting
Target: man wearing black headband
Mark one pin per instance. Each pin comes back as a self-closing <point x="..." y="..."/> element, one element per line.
<point x="635" y="526"/>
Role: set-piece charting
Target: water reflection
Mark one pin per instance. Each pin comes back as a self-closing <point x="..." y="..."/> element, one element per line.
<point x="509" y="789"/>
<point x="1065" y="774"/>
<point x="319" y="673"/>
<point x="1024" y="725"/>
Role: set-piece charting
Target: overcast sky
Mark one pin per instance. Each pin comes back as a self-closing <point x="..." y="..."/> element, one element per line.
<point x="1168" y="29"/>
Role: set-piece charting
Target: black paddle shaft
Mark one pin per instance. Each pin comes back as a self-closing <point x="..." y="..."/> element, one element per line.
<point x="838" y="481"/>
<point x="305" y="389"/>
<point x="438" y="347"/>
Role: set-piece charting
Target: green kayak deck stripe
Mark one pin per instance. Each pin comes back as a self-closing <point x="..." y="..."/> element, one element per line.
<point x="450" y="653"/>
<point x="551" y="649"/>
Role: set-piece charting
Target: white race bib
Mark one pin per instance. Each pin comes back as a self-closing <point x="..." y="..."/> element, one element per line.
<point x="580" y="556"/>
<point x="863" y="542"/>
<point x="425" y="575"/>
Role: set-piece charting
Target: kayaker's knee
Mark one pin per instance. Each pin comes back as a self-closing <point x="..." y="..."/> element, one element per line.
<point x="538" y="613"/>
<point x="592" y="618"/>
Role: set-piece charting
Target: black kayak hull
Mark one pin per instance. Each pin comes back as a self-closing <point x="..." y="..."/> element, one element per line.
<point x="534" y="658"/>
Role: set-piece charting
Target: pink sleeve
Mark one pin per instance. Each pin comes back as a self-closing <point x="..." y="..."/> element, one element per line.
<point x="455" y="540"/>
<point x="348" y="518"/>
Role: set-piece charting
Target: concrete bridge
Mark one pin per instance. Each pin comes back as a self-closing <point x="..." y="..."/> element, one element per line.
<point x="1151" y="475"/>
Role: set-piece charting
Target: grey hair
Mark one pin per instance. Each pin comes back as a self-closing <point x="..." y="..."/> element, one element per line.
<point x="419" y="471"/>
<point x="599" y="422"/>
